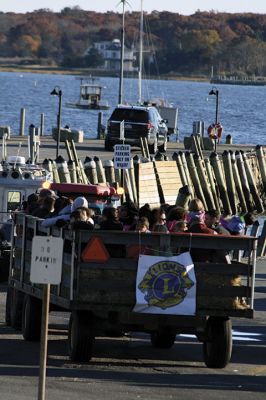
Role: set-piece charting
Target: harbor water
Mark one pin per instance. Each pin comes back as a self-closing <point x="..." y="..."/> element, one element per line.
<point x="241" y="108"/>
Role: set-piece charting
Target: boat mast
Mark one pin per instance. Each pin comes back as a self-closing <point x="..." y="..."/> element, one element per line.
<point x="120" y="95"/>
<point x="140" y="51"/>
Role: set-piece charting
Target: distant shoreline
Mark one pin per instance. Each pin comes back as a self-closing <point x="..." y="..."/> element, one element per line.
<point x="86" y="72"/>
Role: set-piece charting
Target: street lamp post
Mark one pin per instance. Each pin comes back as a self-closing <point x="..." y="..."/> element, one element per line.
<point x="215" y="92"/>
<point x="58" y="92"/>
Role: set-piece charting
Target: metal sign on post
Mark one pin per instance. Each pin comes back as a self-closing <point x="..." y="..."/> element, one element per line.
<point x="122" y="156"/>
<point x="46" y="260"/>
<point x="122" y="130"/>
<point x="46" y="268"/>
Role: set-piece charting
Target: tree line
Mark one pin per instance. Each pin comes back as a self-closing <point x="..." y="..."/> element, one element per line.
<point x="234" y="44"/>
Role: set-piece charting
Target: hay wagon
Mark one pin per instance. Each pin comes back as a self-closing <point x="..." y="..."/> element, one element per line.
<point x="98" y="288"/>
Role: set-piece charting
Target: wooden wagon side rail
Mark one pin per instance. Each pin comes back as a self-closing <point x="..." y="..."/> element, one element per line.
<point x="222" y="289"/>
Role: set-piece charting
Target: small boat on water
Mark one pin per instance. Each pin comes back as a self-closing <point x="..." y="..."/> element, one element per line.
<point x="90" y="96"/>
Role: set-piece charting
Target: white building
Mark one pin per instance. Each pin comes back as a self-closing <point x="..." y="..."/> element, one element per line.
<point x="110" y="51"/>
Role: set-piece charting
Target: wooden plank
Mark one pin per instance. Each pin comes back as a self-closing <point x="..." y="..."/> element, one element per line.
<point x="245" y="313"/>
<point x="147" y="184"/>
<point x="225" y="269"/>
<point x="168" y="179"/>
<point x="120" y="286"/>
<point x="226" y="291"/>
<point x="106" y="298"/>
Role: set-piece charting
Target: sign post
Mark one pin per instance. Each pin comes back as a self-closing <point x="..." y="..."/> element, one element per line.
<point x="46" y="268"/>
<point x="122" y="157"/>
<point x="122" y="131"/>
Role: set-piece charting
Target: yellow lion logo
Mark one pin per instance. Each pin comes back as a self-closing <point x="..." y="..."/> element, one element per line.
<point x="166" y="284"/>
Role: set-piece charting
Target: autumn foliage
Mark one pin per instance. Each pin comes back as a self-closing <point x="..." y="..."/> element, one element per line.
<point x="231" y="43"/>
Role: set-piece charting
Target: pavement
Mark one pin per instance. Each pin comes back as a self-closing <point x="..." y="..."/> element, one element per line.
<point x="18" y="145"/>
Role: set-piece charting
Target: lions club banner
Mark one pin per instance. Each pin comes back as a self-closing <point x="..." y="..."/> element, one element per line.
<point x="166" y="285"/>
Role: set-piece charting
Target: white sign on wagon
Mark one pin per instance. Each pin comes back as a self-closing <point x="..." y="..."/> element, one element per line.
<point x="46" y="260"/>
<point x="122" y="156"/>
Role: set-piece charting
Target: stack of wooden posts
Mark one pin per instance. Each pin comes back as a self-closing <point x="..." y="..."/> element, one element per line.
<point x="234" y="182"/>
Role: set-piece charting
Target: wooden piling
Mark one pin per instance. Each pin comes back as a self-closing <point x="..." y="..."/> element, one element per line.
<point x="99" y="126"/>
<point x="204" y="182"/>
<point x="262" y="165"/>
<point x="128" y="187"/>
<point x="100" y="170"/>
<point x="56" y="178"/>
<point x="230" y="183"/>
<point x="195" y="178"/>
<point x="252" y="185"/>
<point x="219" y="175"/>
<point x="118" y="176"/>
<point x="62" y="169"/>
<point x="196" y="145"/>
<point x="90" y="170"/>
<point x="185" y="167"/>
<point x="242" y="201"/>
<point x="84" y="178"/>
<point x="72" y="171"/>
<point x="244" y="180"/>
<point x="213" y="188"/>
<point x="177" y="158"/>
<point x="22" y="122"/>
<point x="109" y="171"/>
<point x="42" y="125"/>
<point x="184" y="196"/>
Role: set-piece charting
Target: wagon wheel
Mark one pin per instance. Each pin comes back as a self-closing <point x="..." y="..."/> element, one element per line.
<point x="163" y="340"/>
<point x="80" y="336"/>
<point x="217" y="348"/>
<point x="31" y="318"/>
<point x="16" y="302"/>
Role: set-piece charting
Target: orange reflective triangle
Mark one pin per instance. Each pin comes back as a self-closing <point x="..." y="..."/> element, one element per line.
<point x="95" y="251"/>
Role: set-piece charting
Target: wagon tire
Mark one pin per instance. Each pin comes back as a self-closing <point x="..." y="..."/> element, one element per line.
<point x="163" y="340"/>
<point x="16" y="303"/>
<point x="80" y="337"/>
<point x="217" y="348"/>
<point x="31" y="318"/>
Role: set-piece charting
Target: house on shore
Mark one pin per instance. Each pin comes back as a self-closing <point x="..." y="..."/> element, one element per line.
<point x="111" y="52"/>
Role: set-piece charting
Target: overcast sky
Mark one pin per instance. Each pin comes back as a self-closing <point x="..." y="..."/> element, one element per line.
<point x="186" y="7"/>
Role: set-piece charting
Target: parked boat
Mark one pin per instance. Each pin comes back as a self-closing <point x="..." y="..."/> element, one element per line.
<point x="168" y="111"/>
<point x="90" y="96"/>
